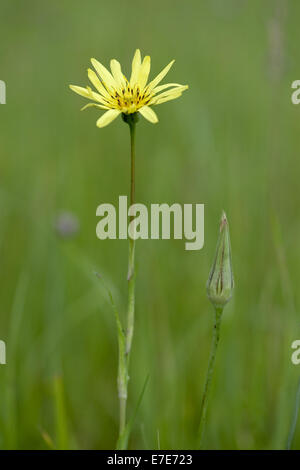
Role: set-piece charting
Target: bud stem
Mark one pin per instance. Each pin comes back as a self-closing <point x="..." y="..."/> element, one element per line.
<point x="209" y="374"/>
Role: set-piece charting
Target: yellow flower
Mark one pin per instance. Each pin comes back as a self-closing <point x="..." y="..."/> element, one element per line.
<point x="118" y="95"/>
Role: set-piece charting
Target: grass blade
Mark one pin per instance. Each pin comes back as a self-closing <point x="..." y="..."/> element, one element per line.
<point x="294" y="420"/>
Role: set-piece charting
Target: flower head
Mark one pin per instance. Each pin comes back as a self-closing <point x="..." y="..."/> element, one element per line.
<point x="220" y="282"/>
<point x="116" y="94"/>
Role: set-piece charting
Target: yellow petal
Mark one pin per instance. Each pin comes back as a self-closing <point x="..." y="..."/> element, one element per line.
<point x="144" y="72"/>
<point x="87" y="93"/>
<point x="108" y="117"/>
<point x="168" y="93"/>
<point x="163" y="87"/>
<point x="80" y="91"/>
<point x="167" y="98"/>
<point x="89" y="105"/>
<point x="97" y="84"/>
<point x="104" y="74"/>
<point x="117" y="73"/>
<point x="160" y="76"/>
<point x="136" y="64"/>
<point x="148" y="114"/>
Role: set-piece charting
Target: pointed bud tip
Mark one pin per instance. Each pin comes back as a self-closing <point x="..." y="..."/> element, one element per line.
<point x="223" y="221"/>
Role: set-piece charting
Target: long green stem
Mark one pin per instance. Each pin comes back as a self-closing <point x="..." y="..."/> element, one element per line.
<point x="124" y="353"/>
<point x="211" y="364"/>
<point x="294" y="420"/>
<point x="131" y="273"/>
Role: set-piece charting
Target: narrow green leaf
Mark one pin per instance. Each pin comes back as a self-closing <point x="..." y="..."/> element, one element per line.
<point x="294" y="420"/>
<point x="123" y="440"/>
<point x="62" y="434"/>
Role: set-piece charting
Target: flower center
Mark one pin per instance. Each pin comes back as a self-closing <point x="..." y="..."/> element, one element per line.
<point x="129" y="99"/>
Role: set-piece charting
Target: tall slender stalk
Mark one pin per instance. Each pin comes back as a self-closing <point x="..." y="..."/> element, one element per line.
<point x="209" y="374"/>
<point x="131" y="272"/>
<point x="219" y="289"/>
<point x="126" y="340"/>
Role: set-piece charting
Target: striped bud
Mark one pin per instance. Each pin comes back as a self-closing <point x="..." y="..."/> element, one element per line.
<point x="220" y="282"/>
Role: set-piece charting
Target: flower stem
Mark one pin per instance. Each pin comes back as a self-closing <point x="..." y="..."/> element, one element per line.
<point x="131" y="273"/>
<point x="209" y="374"/>
<point x="124" y="352"/>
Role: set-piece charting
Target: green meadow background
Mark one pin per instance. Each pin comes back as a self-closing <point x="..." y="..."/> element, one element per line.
<point x="231" y="142"/>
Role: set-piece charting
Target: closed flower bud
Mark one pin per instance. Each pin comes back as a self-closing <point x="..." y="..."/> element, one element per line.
<point x="220" y="282"/>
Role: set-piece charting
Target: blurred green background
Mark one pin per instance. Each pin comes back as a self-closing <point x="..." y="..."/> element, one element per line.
<point x="231" y="142"/>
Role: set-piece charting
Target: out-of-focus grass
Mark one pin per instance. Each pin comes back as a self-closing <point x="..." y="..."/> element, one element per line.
<point x="230" y="142"/>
